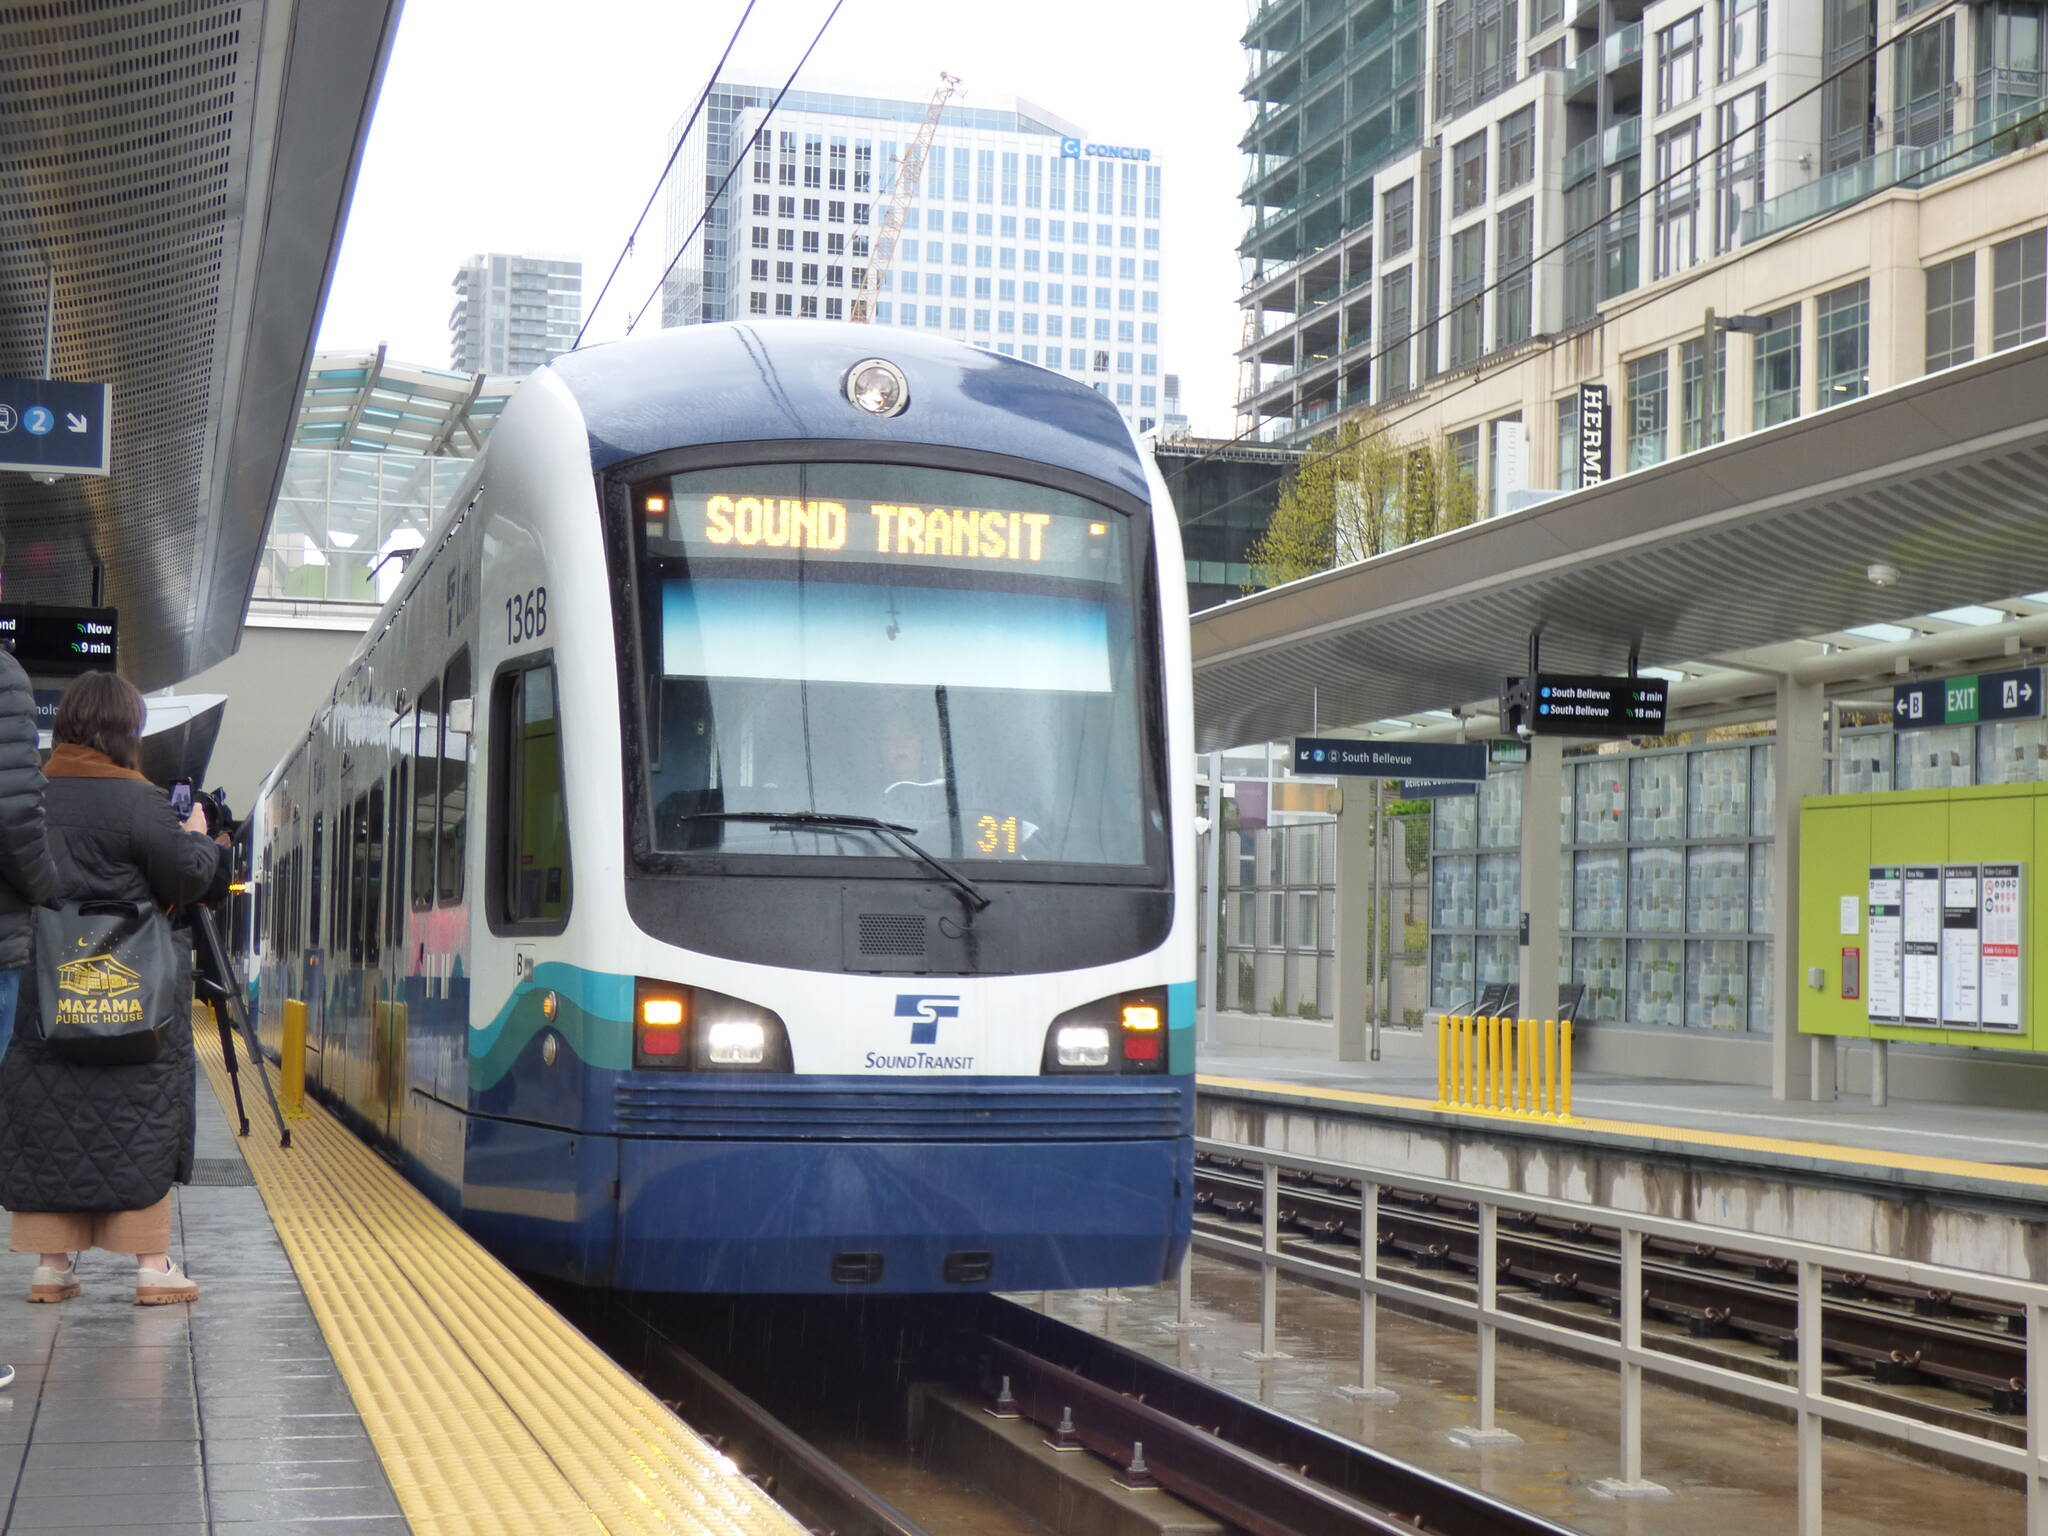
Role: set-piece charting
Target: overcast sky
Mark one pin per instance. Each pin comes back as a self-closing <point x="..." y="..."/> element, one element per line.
<point x="534" y="125"/>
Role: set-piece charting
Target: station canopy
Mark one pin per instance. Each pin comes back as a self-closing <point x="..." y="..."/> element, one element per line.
<point x="179" y="173"/>
<point x="363" y="402"/>
<point x="1743" y="560"/>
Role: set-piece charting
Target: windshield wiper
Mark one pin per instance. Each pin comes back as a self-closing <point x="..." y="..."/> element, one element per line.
<point x="894" y="831"/>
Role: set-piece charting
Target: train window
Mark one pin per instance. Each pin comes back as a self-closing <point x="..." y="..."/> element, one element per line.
<point x="373" y="883"/>
<point x="529" y="807"/>
<point x="456" y="709"/>
<point x="358" y="875"/>
<point x="319" y="835"/>
<point x="426" y="753"/>
<point x="394" y="870"/>
<point x="337" y="910"/>
<point x="959" y="654"/>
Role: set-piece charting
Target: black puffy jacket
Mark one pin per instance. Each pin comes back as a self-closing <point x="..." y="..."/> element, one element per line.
<point x="81" y="1138"/>
<point x="27" y="876"/>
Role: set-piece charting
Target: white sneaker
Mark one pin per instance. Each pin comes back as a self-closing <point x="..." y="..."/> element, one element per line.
<point x="162" y="1287"/>
<point x="48" y="1284"/>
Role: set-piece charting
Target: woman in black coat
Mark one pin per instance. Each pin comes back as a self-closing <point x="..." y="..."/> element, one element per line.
<point x="88" y="1154"/>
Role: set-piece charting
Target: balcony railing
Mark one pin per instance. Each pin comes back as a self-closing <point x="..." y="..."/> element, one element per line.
<point x="1624" y="139"/>
<point x="1904" y="165"/>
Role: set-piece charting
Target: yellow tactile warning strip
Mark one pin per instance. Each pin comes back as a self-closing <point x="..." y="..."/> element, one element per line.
<point x="1583" y="1126"/>
<point x="490" y="1413"/>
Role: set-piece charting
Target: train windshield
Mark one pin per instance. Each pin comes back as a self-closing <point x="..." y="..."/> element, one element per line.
<point x="953" y="654"/>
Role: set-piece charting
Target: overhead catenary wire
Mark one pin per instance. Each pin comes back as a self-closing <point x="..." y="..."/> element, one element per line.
<point x="1920" y="24"/>
<point x="682" y="138"/>
<point x="740" y="159"/>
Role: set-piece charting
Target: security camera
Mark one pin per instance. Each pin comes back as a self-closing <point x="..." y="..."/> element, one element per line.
<point x="1525" y="733"/>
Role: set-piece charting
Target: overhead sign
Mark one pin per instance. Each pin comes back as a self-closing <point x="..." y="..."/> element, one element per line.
<point x="60" y="641"/>
<point x="2013" y="695"/>
<point x="1566" y="704"/>
<point x="1074" y="149"/>
<point x="1437" y="789"/>
<point x="1592" y="435"/>
<point x="53" y="426"/>
<point x="1389" y="759"/>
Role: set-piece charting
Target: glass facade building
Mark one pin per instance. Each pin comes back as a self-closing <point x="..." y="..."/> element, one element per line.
<point x="513" y="313"/>
<point x="1391" y="191"/>
<point x="339" y="514"/>
<point x="1024" y="236"/>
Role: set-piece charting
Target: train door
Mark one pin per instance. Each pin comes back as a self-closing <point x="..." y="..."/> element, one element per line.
<point x="390" y="915"/>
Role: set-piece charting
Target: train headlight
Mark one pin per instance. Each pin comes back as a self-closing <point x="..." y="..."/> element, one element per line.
<point x="877" y="387"/>
<point x="1081" y="1045"/>
<point x="736" y="1043"/>
<point x="1124" y="1033"/>
<point x="694" y="1029"/>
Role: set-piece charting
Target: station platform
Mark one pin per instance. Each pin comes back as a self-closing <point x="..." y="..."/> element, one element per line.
<point x="355" y="1366"/>
<point x="1958" y="1185"/>
<point x="1981" y="1143"/>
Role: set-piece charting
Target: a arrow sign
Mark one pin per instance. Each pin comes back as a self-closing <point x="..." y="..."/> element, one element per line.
<point x="73" y="422"/>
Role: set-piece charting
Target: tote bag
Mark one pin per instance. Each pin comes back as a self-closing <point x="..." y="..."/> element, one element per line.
<point x="106" y="981"/>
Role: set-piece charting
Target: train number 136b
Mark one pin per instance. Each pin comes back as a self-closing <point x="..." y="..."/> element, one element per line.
<point x="526" y="615"/>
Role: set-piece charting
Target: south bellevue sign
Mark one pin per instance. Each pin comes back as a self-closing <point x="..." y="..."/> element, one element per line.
<point x="1412" y="760"/>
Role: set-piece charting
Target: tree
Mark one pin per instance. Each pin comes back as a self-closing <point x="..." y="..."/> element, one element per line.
<point x="1360" y="491"/>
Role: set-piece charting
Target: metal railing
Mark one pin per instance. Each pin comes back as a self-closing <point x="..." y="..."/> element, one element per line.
<point x="1804" y="1397"/>
<point x="1903" y="165"/>
<point x="1501" y="1066"/>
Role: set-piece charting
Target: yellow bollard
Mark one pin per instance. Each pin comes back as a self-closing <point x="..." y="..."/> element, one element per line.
<point x="291" y="1062"/>
<point x="1514" y="1065"/>
<point x="1443" y="1057"/>
<point x="1504" y="1082"/>
<point x="1468" y="1059"/>
<point x="1547" y="1063"/>
<point x="1524" y="1033"/>
<point x="1564" y="1059"/>
<point x="1500" y="1063"/>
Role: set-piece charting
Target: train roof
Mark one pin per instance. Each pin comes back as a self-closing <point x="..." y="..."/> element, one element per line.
<point x="741" y="382"/>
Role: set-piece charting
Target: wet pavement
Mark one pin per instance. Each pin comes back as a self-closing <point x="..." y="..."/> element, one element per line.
<point x="1728" y="1470"/>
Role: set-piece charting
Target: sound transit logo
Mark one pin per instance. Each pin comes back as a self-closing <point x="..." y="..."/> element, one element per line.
<point x="924" y="1010"/>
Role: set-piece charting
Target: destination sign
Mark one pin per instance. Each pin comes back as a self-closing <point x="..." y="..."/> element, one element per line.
<point x="60" y="641"/>
<point x="2010" y="695"/>
<point x="734" y="523"/>
<point x="1562" y="704"/>
<point x="53" y="426"/>
<point x="1407" y="760"/>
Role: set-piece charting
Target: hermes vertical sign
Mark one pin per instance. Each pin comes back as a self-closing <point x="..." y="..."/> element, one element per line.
<point x="1592" y="434"/>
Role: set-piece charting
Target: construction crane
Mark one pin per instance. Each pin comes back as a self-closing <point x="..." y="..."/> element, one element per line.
<point x="910" y="171"/>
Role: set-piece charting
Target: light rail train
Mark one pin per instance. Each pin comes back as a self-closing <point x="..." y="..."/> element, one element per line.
<point x="750" y="851"/>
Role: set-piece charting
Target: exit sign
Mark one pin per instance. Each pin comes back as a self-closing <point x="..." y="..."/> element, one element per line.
<point x="2013" y="695"/>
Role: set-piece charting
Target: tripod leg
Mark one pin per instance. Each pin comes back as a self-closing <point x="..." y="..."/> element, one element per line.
<point x="227" y="1051"/>
<point x="234" y="1000"/>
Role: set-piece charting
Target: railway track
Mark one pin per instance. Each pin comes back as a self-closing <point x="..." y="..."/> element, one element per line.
<point x="787" y="1388"/>
<point x="1900" y="1336"/>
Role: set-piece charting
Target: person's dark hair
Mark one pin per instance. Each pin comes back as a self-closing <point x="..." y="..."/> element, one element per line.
<point x="103" y="712"/>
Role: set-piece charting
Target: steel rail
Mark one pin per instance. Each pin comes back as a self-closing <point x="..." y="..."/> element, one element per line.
<point x="1259" y="1469"/>
<point x="788" y="1468"/>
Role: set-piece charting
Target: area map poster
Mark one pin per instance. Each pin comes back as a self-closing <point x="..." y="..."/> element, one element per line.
<point x="2000" y="907"/>
<point x="1886" y="940"/>
<point x="1960" y="947"/>
<point x="1920" y="950"/>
